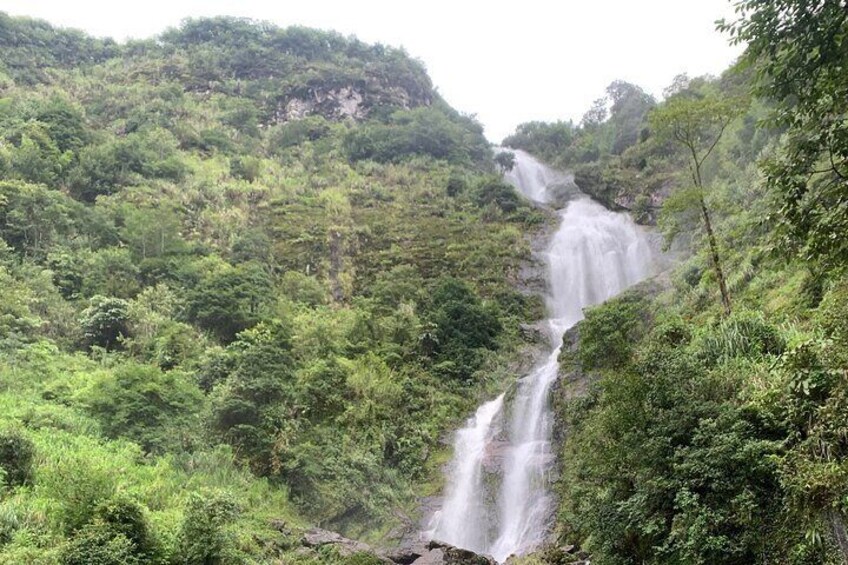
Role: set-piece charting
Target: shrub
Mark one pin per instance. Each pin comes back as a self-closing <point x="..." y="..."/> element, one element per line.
<point x="96" y="544"/>
<point x="832" y="314"/>
<point x="464" y="326"/>
<point x="609" y="331"/>
<point x="16" y="458"/>
<point x="494" y="190"/>
<point x="9" y="524"/>
<point x="125" y="517"/>
<point x="143" y="404"/>
<point x="204" y="538"/>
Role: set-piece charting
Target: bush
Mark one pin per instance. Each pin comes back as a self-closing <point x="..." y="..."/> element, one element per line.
<point x="311" y="128"/>
<point x="609" y="331"/>
<point x="464" y="326"/>
<point x="96" y="544"/>
<point x="145" y="405"/>
<point x="77" y="481"/>
<point x="16" y="458"/>
<point x="496" y="191"/>
<point x="125" y="517"/>
<point x="9" y="524"/>
<point x="422" y="131"/>
<point x="204" y="538"/>
<point x="832" y="315"/>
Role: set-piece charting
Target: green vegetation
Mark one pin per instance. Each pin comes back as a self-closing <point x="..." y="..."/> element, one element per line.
<point x="711" y="436"/>
<point x="251" y="276"/>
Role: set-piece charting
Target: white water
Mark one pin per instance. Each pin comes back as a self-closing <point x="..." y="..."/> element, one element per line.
<point x="504" y="509"/>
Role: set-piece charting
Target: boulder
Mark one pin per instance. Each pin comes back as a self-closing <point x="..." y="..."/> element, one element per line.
<point x="440" y="553"/>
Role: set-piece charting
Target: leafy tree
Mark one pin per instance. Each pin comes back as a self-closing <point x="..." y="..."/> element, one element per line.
<point x="64" y="122"/>
<point x="152" y="232"/>
<point x="609" y="332"/>
<point x="542" y="138"/>
<point x="698" y="124"/>
<point x="231" y="300"/>
<point x="105" y="322"/>
<point x="629" y="106"/>
<point x="106" y="168"/>
<point x="799" y="53"/>
<point x="505" y="161"/>
<point x="34" y="218"/>
<point x="249" y="408"/>
<point x="422" y="131"/>
<point x="35" y="157"/>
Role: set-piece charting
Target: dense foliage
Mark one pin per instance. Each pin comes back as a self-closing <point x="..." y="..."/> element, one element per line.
<point x="250" y="275"/>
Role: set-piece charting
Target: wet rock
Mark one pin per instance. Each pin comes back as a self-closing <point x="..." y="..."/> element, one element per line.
<point x="534" y="333"/>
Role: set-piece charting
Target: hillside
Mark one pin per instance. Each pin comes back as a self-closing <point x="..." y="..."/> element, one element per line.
<point x="252" y="276"/>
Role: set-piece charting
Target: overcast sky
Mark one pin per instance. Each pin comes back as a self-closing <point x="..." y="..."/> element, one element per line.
<point x="506" y="62"/>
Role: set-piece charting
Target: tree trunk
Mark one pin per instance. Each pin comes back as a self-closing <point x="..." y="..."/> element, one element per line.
<point x="725" y="297"/>
<point x="838" y="526"/>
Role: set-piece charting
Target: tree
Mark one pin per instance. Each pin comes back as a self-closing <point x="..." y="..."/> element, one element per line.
<point x="596" y="115"/>
<point x="505" y="161"/>
<point x="465" y="326"/>
<point x="251" y="406"/>
<point x="231" y="300"/>
<point x="106" y="322"/>
<point x="799" y="51"/>
<point x="698" y="124"/>
<point x="629" y="105"/>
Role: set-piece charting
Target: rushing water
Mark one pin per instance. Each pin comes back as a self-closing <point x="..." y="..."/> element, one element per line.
<point x="498" y="500"/>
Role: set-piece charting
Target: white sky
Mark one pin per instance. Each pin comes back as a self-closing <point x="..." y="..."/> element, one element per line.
<point x="507" y="63"/>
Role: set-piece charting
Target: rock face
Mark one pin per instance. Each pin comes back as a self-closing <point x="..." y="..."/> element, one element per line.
<point x="349" y="102"/>
<point x="336" y="104"/>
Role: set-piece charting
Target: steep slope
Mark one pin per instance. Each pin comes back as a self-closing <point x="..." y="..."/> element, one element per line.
<point x="251" y="276"/>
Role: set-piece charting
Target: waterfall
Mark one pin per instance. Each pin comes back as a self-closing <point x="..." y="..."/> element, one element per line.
<point x="498" y="498"/>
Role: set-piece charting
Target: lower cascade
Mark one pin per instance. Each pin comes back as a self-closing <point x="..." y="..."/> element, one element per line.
<point x="498" y="500"/>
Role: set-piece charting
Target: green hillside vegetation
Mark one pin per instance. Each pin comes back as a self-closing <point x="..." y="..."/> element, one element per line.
<point x="251" y="277"/>
<point x="711" y="432"/>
